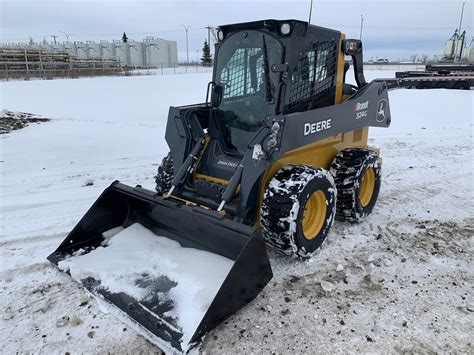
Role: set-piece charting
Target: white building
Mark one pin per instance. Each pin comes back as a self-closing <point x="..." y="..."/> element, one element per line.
<point x="149" y="53"/>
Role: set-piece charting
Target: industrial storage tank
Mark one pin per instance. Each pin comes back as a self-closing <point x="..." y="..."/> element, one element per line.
<point x="58" y="47"/>
<point x="470" y="55"/>
<point x="137" y="54"/>
<point x="70" y="48"/>
<point x="22" y="46"/>
<point x="122" y="52"/>
<point x="156" y="50"/>
<point x="108" y="50"/>
<point x="149" y="53"/>
<point x="82" y="50"/>
<point x="45" y="47"/>
<point x="95" y="49"/>
<point x="449" y="48"/>
<point x="172" y="53"/>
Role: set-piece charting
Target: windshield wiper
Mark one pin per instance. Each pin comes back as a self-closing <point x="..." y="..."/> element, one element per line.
<point x="266" y="71"/>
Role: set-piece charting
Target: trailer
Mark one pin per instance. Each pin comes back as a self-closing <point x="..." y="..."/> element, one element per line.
<point x="447" y="68"/>
<point x="435" y="76"/>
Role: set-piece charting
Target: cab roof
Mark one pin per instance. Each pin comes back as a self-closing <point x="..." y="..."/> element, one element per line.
<point x="298" y="28"/>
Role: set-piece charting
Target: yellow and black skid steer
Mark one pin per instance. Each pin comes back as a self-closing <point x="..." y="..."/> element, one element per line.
<point x="277" y="152"/>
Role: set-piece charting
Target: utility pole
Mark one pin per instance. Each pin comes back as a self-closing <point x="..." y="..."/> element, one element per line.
<point x="209" y="28"/>
<point x="361" y="25"/>
<point x="54" y="36"/>
<point x="456" y="46"/>
<point x="310" y="11"/>
<point x="66" y="34"/>
<point x="186" y="28"/>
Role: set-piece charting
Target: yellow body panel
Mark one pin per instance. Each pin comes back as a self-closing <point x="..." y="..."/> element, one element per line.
<point x="320" y="153"/>
<point x="340" y="73"/>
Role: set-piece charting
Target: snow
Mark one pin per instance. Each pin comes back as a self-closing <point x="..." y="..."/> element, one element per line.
<point x="109" y="128"/>
<point x="99" y="131"/>
<point x="135" y="251"/>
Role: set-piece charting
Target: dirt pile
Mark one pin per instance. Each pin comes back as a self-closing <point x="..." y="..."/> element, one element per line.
<point x="11" y="120"/>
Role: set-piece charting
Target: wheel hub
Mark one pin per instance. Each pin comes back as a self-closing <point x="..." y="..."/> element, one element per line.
<point x="314" y="214"/>
<point x="367" y="186"/>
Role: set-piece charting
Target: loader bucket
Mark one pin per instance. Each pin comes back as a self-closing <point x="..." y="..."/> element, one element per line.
<point x="125" y="251"/>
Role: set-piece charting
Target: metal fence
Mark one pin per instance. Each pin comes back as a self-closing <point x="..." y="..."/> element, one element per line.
<point x="28" y="64"/>
<point x="181" y="68"/>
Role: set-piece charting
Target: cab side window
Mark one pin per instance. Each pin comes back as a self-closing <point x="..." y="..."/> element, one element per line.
<point x="313" y="82"/>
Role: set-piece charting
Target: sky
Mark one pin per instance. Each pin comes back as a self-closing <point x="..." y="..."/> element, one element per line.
<point x="391" y="29"/>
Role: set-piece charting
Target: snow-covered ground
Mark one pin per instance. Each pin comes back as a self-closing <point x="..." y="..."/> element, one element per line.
<point x="402" y="281"/>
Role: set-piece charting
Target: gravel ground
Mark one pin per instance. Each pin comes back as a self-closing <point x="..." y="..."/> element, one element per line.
<point x="382" y="290"/>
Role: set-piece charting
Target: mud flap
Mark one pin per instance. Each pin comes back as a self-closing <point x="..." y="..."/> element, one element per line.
<point x="193" y="227"/>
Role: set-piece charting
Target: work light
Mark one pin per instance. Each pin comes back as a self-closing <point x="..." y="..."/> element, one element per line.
<point x="220" y="35"/>
<point x="285" y="29"/>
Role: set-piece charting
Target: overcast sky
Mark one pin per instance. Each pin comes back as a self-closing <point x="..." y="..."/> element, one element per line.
<point x="392" y="29"/>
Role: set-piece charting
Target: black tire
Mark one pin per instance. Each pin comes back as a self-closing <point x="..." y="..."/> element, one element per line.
<point x="348" y="169"/>
<point x="425" y="85"/>
<point x="462" y="85"/>
<point x="164" y="175"/>
<point x="283" y="207"/>
<point x="442" y="85"/>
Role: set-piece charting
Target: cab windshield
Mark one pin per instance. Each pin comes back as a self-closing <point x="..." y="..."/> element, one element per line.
<point x="243" y="70"/>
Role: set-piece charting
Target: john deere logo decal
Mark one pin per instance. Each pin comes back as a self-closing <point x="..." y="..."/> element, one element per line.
<point x="381" y="110"/>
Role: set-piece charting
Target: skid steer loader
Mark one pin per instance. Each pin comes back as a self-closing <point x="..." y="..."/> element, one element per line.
<point x="276" y="152"/>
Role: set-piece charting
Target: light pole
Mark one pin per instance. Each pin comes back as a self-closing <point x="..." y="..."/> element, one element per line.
<point x="361" y="25"/>
<point x="186" y="28"/>
<point x="460" y="21"/>
<point x="66" y="34"/>
<point x="456" y="46"/>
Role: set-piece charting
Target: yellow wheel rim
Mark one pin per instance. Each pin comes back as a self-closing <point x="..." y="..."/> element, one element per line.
<point x="314" y="214"/>
<point x="367" y="186"/>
